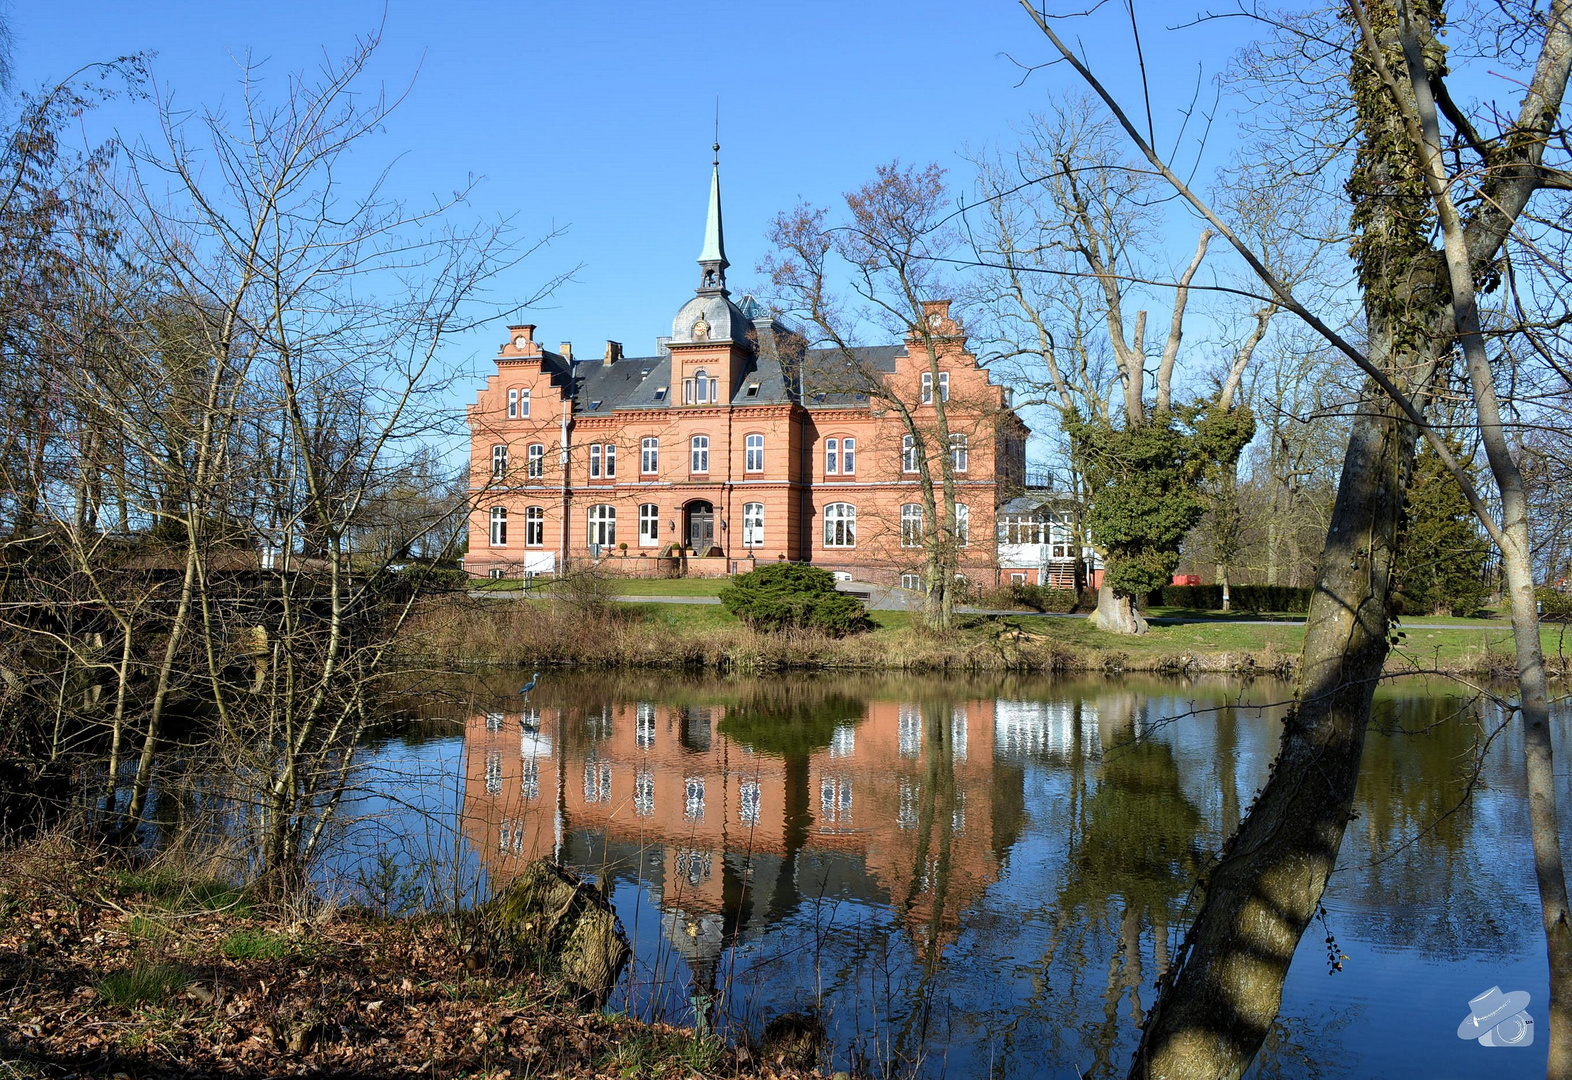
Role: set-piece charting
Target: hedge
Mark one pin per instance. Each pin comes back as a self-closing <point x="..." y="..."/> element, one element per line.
<point x="1554" y="606"/>
<point x="786" y="595"/>
<point x="1243" y="597"/>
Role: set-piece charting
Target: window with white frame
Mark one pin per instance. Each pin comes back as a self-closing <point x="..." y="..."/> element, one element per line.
<point x="840" y="525"/>
<point x="750" y="801"/>
<point x="649" y="455"/>
<point x="927" y="388"/>
<point x="535" y="461"/>
<point x="529" y="781"/>
<point x="603" y="525"/>
<point x="911" y="525"/>
<point x="701" y="389"/>
<point x="499" y="526"/>
<point x="518" y="403"/>
<point x="848" y="456"/>
<point x="909" y="730"/>
<point x="534" y="526"/>
<point x="843" y="741"/>
<point x="597" y="781"/>
<point x="595" y="461"/>
<point x="911" y="581"/>
<point x="649" y="525"/>
<point x="963" y="524"/>
<point x="944" y="386"/>
<point x="753" y="453"/>
<point x="644" y="725"/>
<point x="693" y="798"/>
<point x="958" y="452"/>
<point x="908" y="454"/>
<point x="493" y="772"/>
<point x="753" y="525"/>
<point x="499" y="461"/>
<point x="644" y="793"/>
<point x="699" y="455"/>
<point x="832" y="456"/>
<point x="611" y="460"/>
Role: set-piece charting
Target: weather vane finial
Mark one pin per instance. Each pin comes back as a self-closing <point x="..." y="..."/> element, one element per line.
<point x="717" y="130"/>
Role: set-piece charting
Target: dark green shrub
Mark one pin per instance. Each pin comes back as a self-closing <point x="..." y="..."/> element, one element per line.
<point x="787" y="595"/>
<point x="1253" y="598"/>
<point x="1035" y="597"/>
<point x="1554" y="606"/>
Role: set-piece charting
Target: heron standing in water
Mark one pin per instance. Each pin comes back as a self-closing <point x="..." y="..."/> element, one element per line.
<point x="524" y="691"/>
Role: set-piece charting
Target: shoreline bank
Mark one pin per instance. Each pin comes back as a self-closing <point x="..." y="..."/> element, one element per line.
<point x="455" y="629"/>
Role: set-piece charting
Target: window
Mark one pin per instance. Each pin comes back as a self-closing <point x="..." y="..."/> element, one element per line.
<point x="535" y="461"/>
<point x="699" y="460"/>
<point x="1018" y="577"/>
<point x="597" y="781"/>
<point x="750" y="802"/>
<point x="753" y="457"/>
<point x="660" y="395"/>
<point x="840" y="525"/>
<point x="499" y="461"/>
<point x="843" y="741"/>
<point x="835" y="800"/>
<point x="649" y="455"/>
<point x="603" y="525"/>
<point x="848" y="456"/>
<point x="595" y="461"/>
<point x="832" y="456"/>
<point x="908" y="454"/>
<point x="963" y="524"/>
<point x="944" y="386"/>
<point x="644" y="793"/>
<point x="494" y="722"/>
<point x="649" y="525"/>
<point x="927" y="388"/>
<point x="493" y="772"/>
<point x="911" y="525"/>
<point x="644" y="725"/>
<point x="693" y="798"/>
<point x="496" y="574"/>
<point x="499" y="526"/>
<point x="958" y="452"/>
<point x="909" y="731"/>
<point x="753" y="525"/>
<point x="911" y="581"/>
<point x="534" y="526"/>
<point x="701" y="389"/>
<point x="518" y="404"/>
<point x="611" y="460"/>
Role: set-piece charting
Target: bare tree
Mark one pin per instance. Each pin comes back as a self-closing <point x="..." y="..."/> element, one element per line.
<point x="1417" y="303"/>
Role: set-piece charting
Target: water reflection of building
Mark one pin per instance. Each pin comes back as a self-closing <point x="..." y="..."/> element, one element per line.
<point x="899" y="798"/>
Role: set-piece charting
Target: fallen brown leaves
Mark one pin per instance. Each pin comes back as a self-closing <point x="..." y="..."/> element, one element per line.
<point x="98" y="978"/>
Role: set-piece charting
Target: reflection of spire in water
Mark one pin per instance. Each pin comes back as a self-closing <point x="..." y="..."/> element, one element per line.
<point x="1023" y="729"/>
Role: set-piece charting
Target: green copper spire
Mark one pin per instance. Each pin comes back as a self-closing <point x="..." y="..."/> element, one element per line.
<point x="712" y="259"/>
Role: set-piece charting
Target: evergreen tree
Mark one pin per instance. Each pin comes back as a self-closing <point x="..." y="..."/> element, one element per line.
<point x="1440" y="556"/>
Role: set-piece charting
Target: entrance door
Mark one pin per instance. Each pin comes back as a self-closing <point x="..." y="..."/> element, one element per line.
<point x="701" y="526"/>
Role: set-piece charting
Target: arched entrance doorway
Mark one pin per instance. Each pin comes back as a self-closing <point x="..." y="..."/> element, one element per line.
<point x="699" y="519"/>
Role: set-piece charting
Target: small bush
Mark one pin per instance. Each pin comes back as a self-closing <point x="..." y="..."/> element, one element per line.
<point x="790" y="595"/>
<point x="144" y="984"/>
<point x="1554" y="606"/>
<point x="255" y="945"/>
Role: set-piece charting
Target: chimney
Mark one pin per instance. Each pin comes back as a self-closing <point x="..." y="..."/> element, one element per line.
<point x="613" y="351"/>
<point x="521" y="338"/>
<point x="566" y="349"/>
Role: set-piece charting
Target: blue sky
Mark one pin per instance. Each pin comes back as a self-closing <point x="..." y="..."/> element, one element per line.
<point x="599" y="117"/>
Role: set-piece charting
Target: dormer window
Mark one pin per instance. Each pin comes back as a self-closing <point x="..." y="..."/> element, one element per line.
<point x="660" y="395"/>
<point x="594" y="405"/>
<point x="753" y="389"/>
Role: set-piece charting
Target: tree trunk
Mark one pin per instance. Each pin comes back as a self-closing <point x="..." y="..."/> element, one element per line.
<point x="1116" y="613"/>
<point x="1216" y="1005"/>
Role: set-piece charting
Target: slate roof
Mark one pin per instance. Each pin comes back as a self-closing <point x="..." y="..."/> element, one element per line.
<point x="632" y="382"/>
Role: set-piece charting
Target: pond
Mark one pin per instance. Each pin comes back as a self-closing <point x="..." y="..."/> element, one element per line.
<point x="974" y="877"/>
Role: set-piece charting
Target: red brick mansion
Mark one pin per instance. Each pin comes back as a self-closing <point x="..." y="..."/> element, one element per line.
<point x="732" y="446"/>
